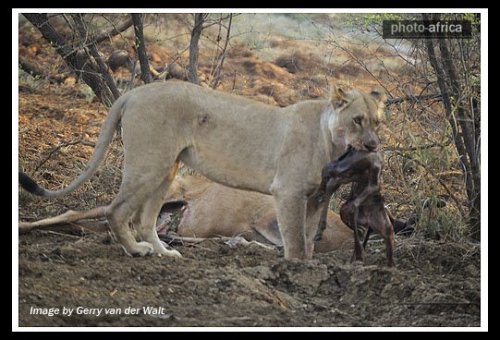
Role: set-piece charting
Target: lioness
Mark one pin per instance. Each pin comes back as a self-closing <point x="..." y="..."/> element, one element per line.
<point x="231" y="140"/>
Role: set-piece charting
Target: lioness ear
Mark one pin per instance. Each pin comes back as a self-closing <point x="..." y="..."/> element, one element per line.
<point x="338" y="97"/>
<point x="379" y="95"/>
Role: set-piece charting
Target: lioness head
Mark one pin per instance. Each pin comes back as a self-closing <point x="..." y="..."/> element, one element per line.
<point x="357" y="117"/>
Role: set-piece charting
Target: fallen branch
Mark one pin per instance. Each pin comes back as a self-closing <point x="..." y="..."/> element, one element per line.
<point x="415" y="99"/>
<point x="114" y="31"/>
<point x="35" y="71"/>
<point x="59" y="234"/>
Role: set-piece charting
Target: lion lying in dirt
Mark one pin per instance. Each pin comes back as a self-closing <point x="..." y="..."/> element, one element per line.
<point x="231" y="140"/>
<point x="212" y="210"/>
<point x="215" y="210"/>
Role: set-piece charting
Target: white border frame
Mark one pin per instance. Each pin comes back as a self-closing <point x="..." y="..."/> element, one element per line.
<point x="484" y="166"/>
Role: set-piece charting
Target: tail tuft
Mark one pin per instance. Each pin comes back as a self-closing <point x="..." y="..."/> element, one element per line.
<point x="30" y="185"/>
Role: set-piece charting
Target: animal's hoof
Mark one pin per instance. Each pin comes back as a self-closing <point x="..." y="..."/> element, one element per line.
<point x="142" y="249"/>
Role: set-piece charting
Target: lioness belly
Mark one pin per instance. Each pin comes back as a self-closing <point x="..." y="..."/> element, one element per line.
<point x="220" y="168"/>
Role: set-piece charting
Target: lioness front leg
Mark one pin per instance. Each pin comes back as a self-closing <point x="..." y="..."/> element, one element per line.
<point x="291" y="222"/>
<point x="314" y="217"/>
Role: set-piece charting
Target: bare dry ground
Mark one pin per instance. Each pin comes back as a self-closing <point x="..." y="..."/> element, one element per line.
<point x="434" y="284"/>
<point x="436" y="281"/>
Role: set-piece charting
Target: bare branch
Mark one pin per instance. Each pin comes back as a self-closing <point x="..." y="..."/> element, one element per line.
<point x="77" y="61"/>
<point x="58" y="147"/>
<point x="35" y="71"/>
<point x="415" y="99"/>
<point x="199" y="19"/>
<point x="445" y="187"/>
<point x="141" y="48"/>
<point x="95" y="54"/>
<point x="363" y="65"/>
<point x="221" y="57"/>
<point x="114" y="31"/>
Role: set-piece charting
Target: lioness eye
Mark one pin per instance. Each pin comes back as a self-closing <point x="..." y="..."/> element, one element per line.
<point x="357" y="120"/>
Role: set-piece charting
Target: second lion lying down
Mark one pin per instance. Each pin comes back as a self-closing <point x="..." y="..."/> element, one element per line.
<point x="216" y="210"/>
<point x="212" y="210"/>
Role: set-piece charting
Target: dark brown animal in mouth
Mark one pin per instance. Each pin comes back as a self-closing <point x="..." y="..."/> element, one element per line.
<point x="365" y="207"/>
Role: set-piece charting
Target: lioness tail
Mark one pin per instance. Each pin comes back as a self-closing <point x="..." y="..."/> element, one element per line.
<point x="107" y="131"/>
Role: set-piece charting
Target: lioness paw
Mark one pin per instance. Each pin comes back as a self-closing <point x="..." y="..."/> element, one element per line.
<point x="141" y="249"/>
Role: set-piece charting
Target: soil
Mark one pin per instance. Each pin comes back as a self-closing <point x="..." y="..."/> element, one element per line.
<point x="218" y="285"/>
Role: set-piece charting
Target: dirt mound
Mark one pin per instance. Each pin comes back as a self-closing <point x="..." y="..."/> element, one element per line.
<point x="215" y="284"/>
<point x="299" y="61"/>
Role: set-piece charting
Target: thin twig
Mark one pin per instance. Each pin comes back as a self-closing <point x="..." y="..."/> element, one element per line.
<point x="59" y="234"/>
<point x="114" y="31"/>
<point x="415" y="99"/>
<point x="58" y="147"/>
<point x="92" y="49"/>
<point x="363" y="65"/>
<point x="419" y="147"/>
<point x="221" y="57"/>
<point x="443" y="184"/>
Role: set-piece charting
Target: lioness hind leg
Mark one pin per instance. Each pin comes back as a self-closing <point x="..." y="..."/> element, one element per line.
<point x="136" y="188"/>
<point x="146" y="221"/>
<point x="119" y="215"/>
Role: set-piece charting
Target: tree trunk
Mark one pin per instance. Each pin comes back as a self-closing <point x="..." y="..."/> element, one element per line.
<point x="199" y="18"/>
<point x="76" y="59"/>
<point x="141" y="48"/>
<point x="465" y="132"/>
<point x="221" y="57"/>
<point x="77" y="18"/>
